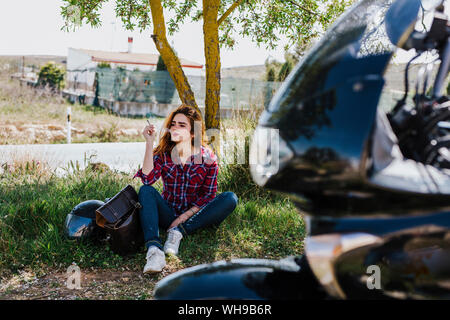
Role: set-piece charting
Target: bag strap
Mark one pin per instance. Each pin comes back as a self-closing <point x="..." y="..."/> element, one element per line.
<point x="136" y="204"/>
<point x="127" y="197"/>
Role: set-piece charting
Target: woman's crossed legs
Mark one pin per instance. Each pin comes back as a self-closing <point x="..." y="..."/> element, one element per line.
<point x="155" y="213"/>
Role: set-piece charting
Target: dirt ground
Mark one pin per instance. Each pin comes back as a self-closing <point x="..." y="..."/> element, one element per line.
<point x="27" y="133"/>
<point x="95" y="284"/>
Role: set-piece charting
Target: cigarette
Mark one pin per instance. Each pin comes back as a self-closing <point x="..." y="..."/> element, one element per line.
<point x="149" y="125"/>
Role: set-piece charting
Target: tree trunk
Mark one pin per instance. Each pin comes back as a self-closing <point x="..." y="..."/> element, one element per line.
<point x="168" y="55"/>
<point x="212" y="59"/>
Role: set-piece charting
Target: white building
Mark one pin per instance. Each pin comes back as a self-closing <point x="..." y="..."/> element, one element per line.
<point x="81" y="64"/>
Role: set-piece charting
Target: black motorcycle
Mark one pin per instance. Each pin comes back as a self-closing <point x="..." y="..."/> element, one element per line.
<point x="368" y="164"/>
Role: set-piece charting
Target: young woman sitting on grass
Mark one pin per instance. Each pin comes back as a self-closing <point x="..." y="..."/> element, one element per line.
<point x="189" y="171"/>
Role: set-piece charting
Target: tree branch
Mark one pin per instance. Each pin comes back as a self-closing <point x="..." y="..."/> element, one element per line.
<point x="302" y="7"/>
<point x="227" y="13"/>
<point x="168" y="55"/>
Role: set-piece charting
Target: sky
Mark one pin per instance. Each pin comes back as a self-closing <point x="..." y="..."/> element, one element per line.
<point x="33" y="27"/>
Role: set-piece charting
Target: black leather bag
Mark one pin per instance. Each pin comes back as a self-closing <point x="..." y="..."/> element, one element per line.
<point x="119" y="216"/>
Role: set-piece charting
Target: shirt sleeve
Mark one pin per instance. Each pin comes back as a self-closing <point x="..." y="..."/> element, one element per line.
<point x="152" y="176"/>
<point x="209" y="187"/>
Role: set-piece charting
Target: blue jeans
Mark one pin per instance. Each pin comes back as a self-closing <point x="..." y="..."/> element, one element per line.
<point x="156" y="213"/>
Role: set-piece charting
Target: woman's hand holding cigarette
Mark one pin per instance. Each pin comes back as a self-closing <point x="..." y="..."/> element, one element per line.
<point x="149" y="132"/>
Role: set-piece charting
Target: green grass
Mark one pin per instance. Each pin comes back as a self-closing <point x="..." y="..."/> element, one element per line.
<point x="34" y="203"/>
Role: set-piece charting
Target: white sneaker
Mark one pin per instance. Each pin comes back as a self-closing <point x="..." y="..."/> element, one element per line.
<point x="156" y="260"/>
<point x="173" y="241"/>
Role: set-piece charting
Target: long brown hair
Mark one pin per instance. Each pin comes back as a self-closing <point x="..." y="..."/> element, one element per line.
<point x="165" y="143"/>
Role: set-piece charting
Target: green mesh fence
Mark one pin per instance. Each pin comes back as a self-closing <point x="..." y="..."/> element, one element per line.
<point x="158" y="87"/>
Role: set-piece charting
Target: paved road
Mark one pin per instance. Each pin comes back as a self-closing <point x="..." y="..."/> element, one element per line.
<point x="126" y="157"/>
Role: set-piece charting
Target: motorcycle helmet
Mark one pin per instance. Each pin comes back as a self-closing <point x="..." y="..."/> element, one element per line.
<point x="80" y="222"/>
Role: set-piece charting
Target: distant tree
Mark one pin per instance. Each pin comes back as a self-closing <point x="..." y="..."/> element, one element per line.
<point x="281" y="70"/>
<point x="51" y="75"/>
<point x="96" y="90"/>
<point x="269" y="90"/>
<point x="274" y="65"/>
<point x="284" y="71"/>
<point x="160" y="65"/>
<point x="164" y="85"/>
<point x="100" y="65"/>
<point x="104" y="65"/>
<point x="270" y="76"/>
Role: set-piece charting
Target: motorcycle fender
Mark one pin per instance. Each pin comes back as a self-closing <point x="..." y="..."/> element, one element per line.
<point x="258" y="279"/>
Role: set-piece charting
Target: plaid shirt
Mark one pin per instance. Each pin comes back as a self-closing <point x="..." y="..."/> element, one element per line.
<point x="193" y="184"/>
